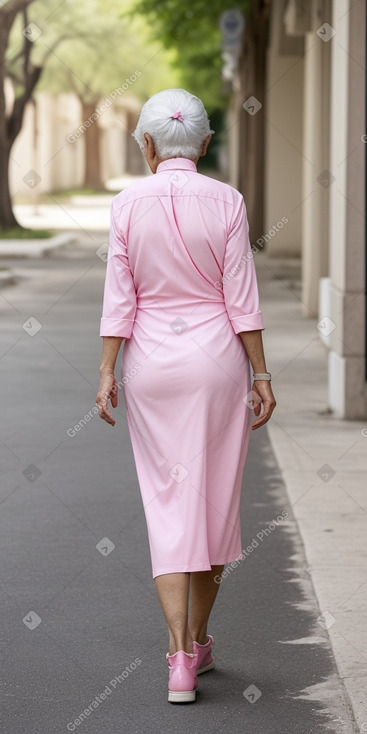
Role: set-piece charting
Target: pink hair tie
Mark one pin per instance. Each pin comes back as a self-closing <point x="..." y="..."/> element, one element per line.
<point x="178" y="116"/>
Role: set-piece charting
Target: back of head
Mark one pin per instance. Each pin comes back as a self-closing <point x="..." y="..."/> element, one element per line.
<point x="177" y="122"/>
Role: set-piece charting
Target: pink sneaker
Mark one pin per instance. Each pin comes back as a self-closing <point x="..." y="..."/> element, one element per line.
<point x="183" y="682"/>
<point x="205" y="657"/>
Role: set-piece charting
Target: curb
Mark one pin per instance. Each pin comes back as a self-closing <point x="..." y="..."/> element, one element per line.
<point x="8" y="278"/>
<point x="34" y="248"/>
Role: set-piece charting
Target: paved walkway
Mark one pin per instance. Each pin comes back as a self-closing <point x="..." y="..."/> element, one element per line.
<point x="81" y="625"/>
<point x="324" y="464"/>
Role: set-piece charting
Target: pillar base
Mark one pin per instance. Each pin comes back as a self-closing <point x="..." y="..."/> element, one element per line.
<point x="347" y="387"/>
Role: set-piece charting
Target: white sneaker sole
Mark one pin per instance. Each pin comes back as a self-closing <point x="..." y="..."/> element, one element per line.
<point x="204" y="670"/>
<point x="181" y="696"/>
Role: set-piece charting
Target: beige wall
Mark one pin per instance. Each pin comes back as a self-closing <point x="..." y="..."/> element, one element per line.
<point x="283" y="146"/>
<point x="43" y="144"/>
<point x="232" y="148"/>
<point x="315" y="174"/>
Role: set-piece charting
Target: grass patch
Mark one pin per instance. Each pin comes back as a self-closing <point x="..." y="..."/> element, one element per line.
<point x="20" y="233"/>
<point x="80" y="192"/>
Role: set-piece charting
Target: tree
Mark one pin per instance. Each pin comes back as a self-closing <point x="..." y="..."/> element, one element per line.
<point x="108" y="53"/>
<point x="17" y="37"/>
<point x="27" y="76"/>
<point x="89" y="36"/>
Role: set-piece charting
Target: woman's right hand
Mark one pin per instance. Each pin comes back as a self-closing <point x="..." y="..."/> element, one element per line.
<point x="108" y="389"/>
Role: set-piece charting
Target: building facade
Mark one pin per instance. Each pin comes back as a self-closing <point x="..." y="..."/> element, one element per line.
<point x="301" y="99"/>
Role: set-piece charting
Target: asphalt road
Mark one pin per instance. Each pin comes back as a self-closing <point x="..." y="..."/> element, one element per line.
<point x="81" y="627"/>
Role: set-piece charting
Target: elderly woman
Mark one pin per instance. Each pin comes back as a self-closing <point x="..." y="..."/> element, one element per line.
<point x="181" y="290"/>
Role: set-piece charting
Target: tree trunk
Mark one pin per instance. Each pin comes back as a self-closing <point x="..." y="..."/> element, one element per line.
<point x="10" y="125"/>
<point x="92" y="136"/>
<point x="7" y="218"/>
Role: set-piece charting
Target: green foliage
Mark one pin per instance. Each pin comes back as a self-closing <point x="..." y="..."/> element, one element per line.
<point x="20" y="233"/>
<point x="191" y="27"/>
<point x="89" y="48"/>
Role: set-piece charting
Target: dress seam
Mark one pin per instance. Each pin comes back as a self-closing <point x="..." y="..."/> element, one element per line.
<point x="181" y="196"/>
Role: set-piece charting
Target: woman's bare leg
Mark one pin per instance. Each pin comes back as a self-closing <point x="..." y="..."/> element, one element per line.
<point x="204" y="589"/>
<point x="173" y="592"/>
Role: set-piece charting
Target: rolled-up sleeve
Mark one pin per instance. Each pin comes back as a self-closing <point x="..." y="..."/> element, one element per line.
<point x="239" y="276"/>
<point x="119" y="300"/>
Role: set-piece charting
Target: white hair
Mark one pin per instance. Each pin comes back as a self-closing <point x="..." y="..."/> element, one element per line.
<point x="176" y="121"/>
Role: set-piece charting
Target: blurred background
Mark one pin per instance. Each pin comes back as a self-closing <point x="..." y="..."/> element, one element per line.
<point x="283" y="82"/>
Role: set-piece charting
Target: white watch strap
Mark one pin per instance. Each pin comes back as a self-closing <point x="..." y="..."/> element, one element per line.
<point x="262" y="376"/>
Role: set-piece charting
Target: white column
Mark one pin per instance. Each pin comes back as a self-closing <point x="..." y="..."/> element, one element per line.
<point x="344" y="290"/>
<point x="317" y="178"/>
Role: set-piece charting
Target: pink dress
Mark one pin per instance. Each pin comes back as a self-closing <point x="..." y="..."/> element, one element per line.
<point x="180" y="285"/>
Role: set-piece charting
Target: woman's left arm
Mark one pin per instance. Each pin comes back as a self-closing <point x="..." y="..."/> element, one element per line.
<point x="252" y="341"/>
<point x="108" y="387"/>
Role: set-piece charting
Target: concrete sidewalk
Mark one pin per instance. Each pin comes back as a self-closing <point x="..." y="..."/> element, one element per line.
<point x="82" y="212"/>
<point x="323" y="462"/>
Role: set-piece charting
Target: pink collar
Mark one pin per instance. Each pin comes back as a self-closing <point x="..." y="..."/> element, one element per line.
<point x="176" y="164"/>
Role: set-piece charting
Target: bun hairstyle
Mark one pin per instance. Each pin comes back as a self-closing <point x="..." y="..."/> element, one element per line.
<point x="177" y="122"/>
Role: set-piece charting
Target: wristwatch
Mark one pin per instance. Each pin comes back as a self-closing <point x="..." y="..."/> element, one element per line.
<point x="262" y="376"/>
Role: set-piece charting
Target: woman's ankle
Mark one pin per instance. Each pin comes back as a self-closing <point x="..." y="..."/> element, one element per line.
<point x="202" y="640"/>
<point x="200" y="637"/>
<point x="186" y="649"/>
<point x="178" y="644"/>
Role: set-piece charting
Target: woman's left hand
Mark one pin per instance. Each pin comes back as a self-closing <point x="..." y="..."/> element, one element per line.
<point x="108" y="389"/>
<point x="265" y="403"/>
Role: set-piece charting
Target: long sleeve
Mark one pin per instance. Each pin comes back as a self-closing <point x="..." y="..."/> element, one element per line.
<point x="239" y="277"/>
<point x="119" y="301"/>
